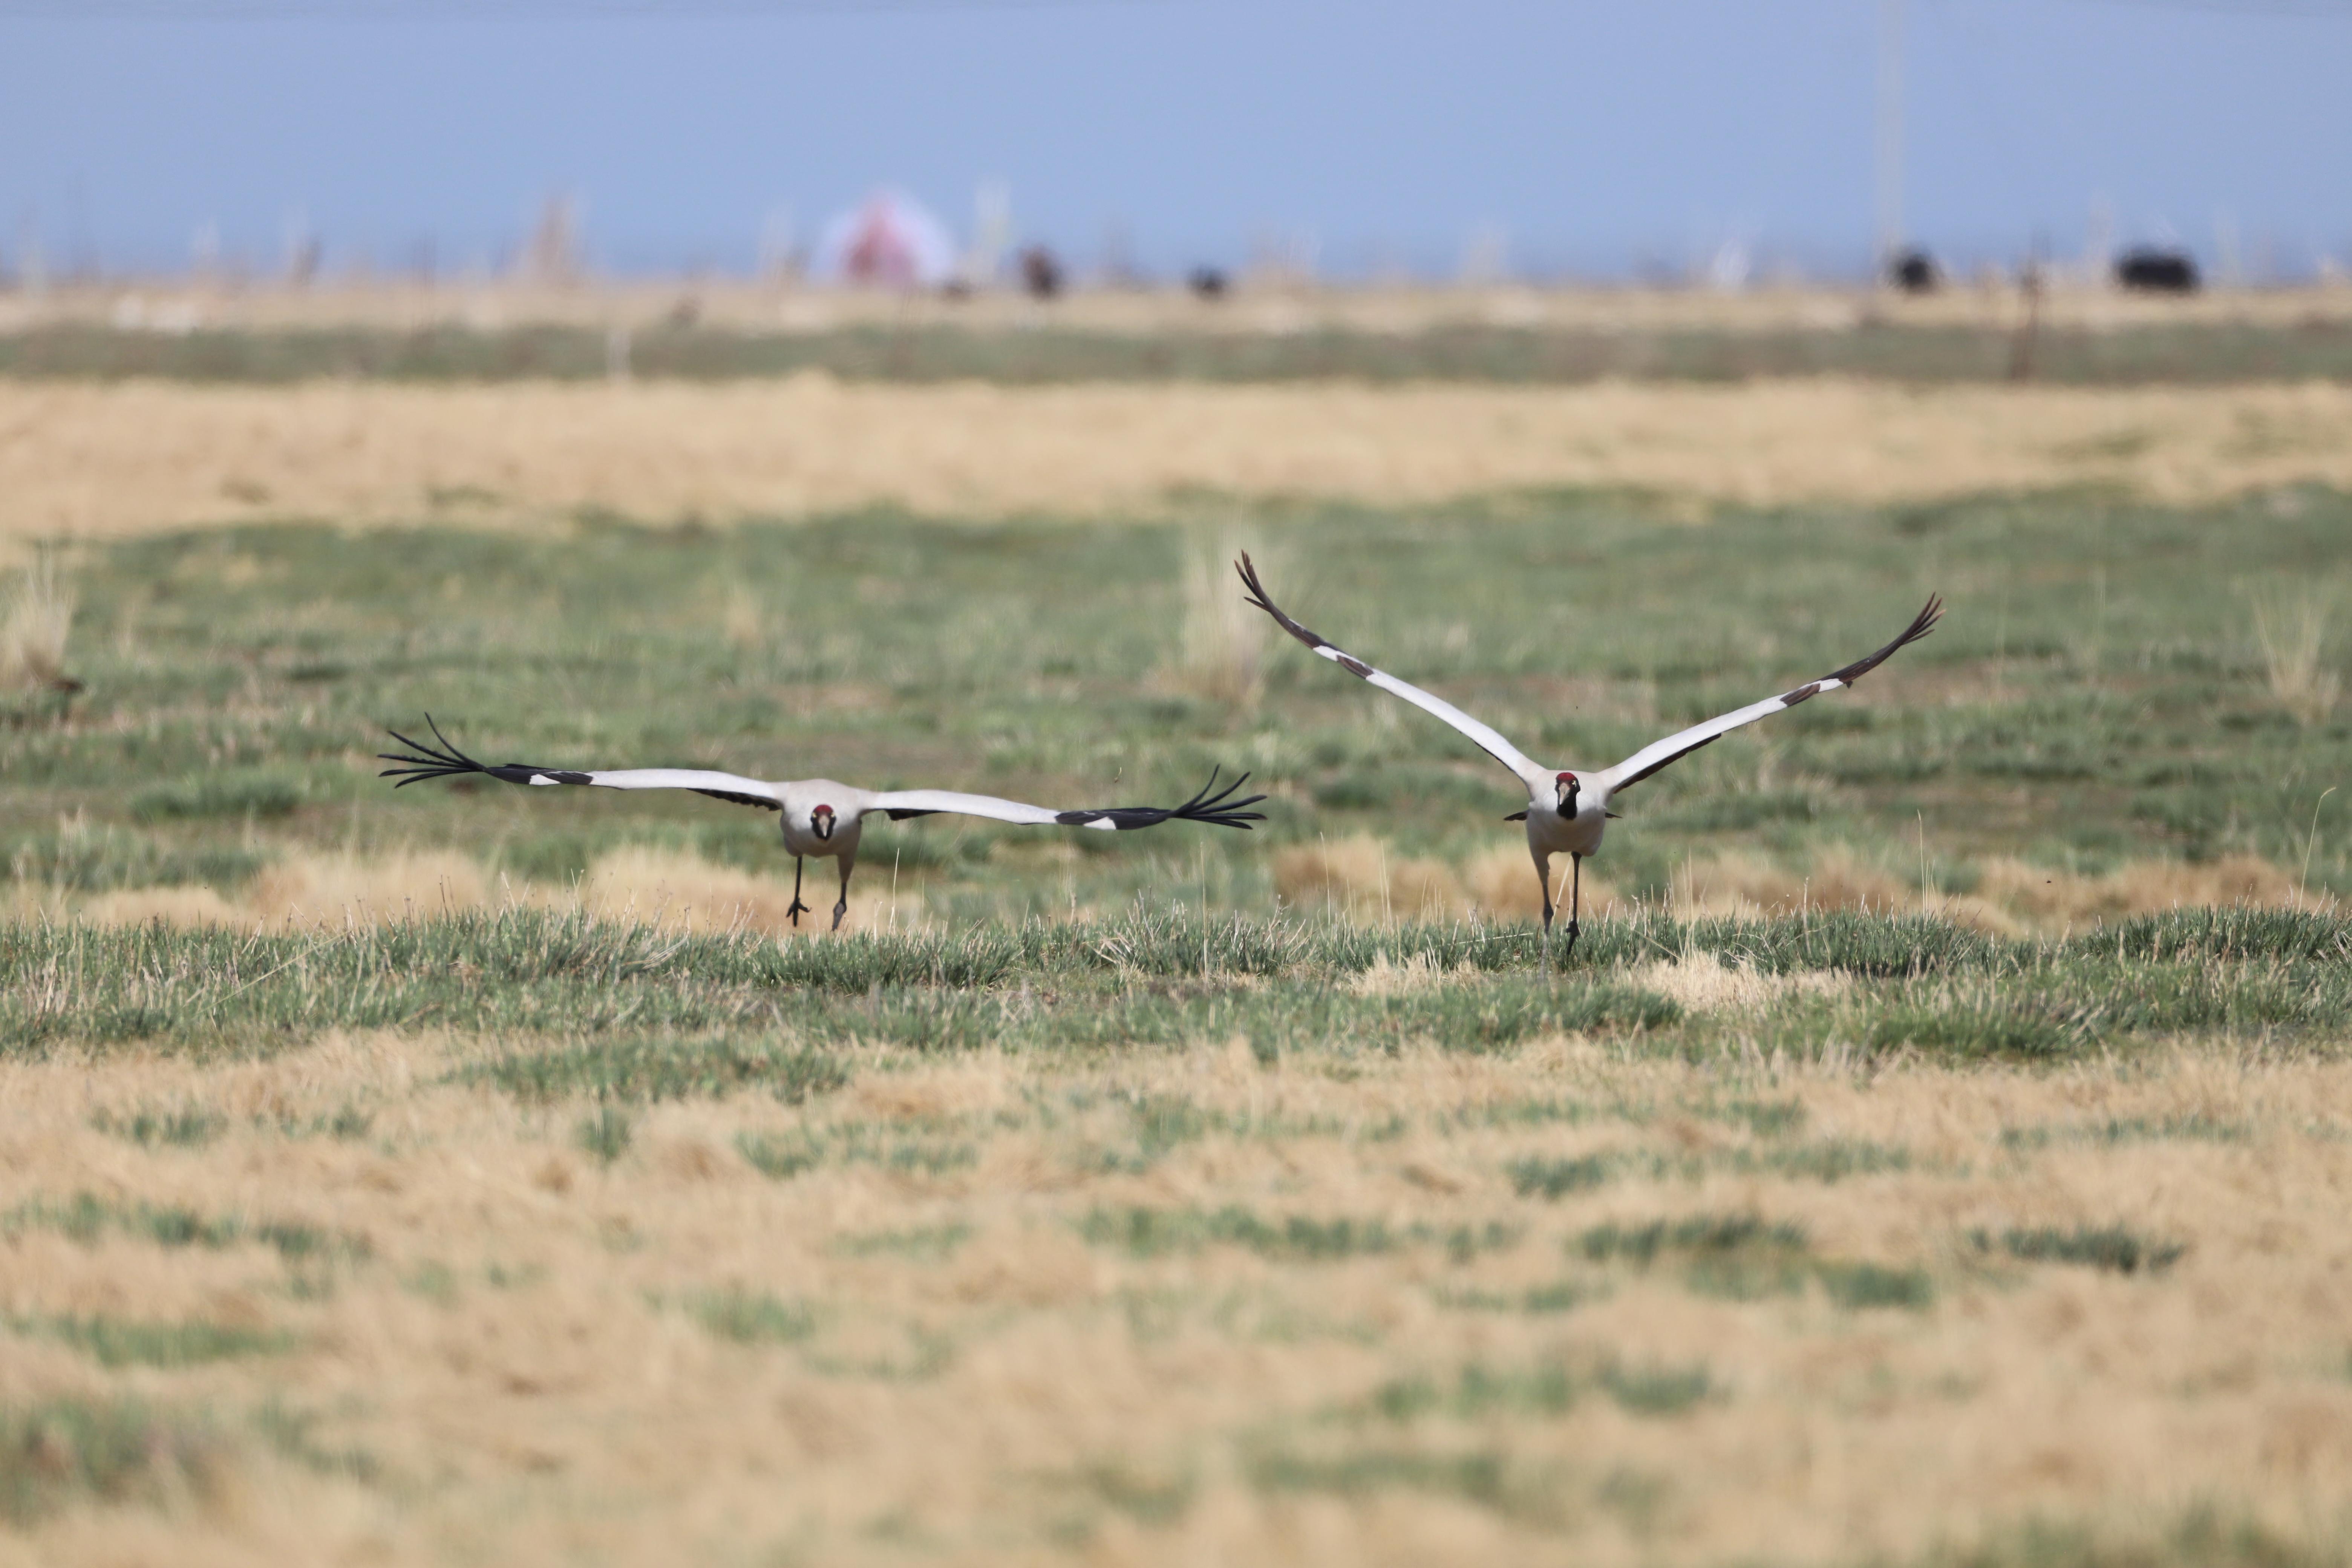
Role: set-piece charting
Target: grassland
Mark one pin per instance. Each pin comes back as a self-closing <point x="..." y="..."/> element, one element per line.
<point x="2192" y="352"/>
<point x="1894" y="1177"/>
<point x="93" y="461"/>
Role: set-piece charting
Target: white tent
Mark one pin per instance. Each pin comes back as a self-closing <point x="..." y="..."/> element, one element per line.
<point x="888" y="241"/>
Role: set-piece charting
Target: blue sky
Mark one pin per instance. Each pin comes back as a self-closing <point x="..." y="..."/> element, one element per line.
<point x="1601" y="139"/>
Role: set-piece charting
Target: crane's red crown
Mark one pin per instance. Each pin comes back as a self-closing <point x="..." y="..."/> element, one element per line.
<point x="1565" y="778"/>
<point x="827" y="810"/>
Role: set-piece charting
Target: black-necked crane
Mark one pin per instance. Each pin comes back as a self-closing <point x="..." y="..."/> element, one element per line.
<point x="1568" y="809"/>
<point x="821" y="818"/>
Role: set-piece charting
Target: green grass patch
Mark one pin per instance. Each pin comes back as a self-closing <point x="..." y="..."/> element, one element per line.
<point x="67" y="1452"/>
<point x="1699" y="1236"/>
<point x="232" y="792"/>
<point x="605" y="1134"/>
<point x="118" y="1342"/>
<point x="1482" y="1477"/>
<point x="1142" y="1232"/>
<point x="2114" y="1248"/>
<point x="753" y="1317"/>
<point x="932" y="1243"/>
<point x="1743" y="1256"/>
<point x="1557" y="1178"/>
<point x="640" y="1069"/>
<point x="85" y="1218"/>
<point x="2194" y="1127"/>
<point x="1544" y="1389"/>
<point x="1536" y="1301"/>
<point x="178" y="1127"/>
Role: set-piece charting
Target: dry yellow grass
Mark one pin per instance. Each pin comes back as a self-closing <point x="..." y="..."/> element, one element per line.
<point x="2292" y="635"/>
<point x="104" y="461"/>
<point x="1365" y="880"/>
<point x="36" y="620"/>
<point x="633" y="884"/>
<point x="1360" y="878"/>
<point x="1225" y="640"/>
<point x="519" y="1352"/>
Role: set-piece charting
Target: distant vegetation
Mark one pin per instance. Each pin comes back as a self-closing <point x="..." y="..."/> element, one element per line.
<point x="2201" y="353"/>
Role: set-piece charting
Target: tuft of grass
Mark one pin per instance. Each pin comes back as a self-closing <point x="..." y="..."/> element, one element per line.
<point x="180" y="1127"/>
<point x="1655" y="1390"/>
<point x="1535" y="1177"/>
<point x="2195" y="1126"/>
<point x="605" y="1134"/>
<point x="293" y="1434"/>
<point x="1766" y="1118"/>
<point x="1546" y="1388"/>
<point x="1698" y="1237"/>
<point x="753" y="1317"/>
<point x="1222" y="658"/>
<point x="1858" y="1286"/>
<point x="117" y="1343"/>
<point x="1831" y="1159"/>
<point x="1744" y="1257"/>
<point x="2112" y="1248"/>
<point x="932" y="1242"/>
<point x="2292" y="635"/>
<point x="1975" y="1029"/>
<point x="656" y="1068"/>
<point x="779" y="1156"/>
<point x="1296" y="1238"/>
<point x="1156" y="1501"/>
<point x="65" y="1452"/>
<point x="1536" y="1301"/>
<point x="1480" y="1476"/>
<point x="35" y="623"/>
<point x="436" y="1282"/>
<point x="87" y="1218"/>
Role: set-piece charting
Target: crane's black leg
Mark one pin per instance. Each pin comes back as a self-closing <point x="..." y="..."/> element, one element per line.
<point x="1543" y="881"/>
<point x="842" y="908"/>
<point x="1575" y="902"/>
<point x="798" y="909"/>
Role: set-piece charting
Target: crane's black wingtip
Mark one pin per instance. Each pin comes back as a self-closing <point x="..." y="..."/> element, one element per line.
<point x="423" y="762"/>
<point x="1921" y="625"/>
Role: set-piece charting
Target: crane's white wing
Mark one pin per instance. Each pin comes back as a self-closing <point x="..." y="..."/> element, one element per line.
<point x="449" y="762"/>
<point x="1486" y="740"/>
<point x="1674" y="748"/>
<point x="1213" y="806"/>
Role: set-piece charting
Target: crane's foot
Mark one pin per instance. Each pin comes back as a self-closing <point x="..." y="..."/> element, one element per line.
<point x="797" y="910"/>
<point x="839" y="910"/>
<point x="1571" y="951"/>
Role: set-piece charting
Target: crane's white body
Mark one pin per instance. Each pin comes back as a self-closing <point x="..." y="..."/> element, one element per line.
<point x="798" y="802"/>
<point x="1567" y="808"/>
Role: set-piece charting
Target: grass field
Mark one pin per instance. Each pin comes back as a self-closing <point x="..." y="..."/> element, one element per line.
<point x="93" y="461"/>
<point x="1895" y="1175"/>
<point x="2192" y="352"/>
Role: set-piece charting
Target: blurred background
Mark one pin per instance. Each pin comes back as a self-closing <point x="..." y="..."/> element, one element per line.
<point x="326" y="141"/>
